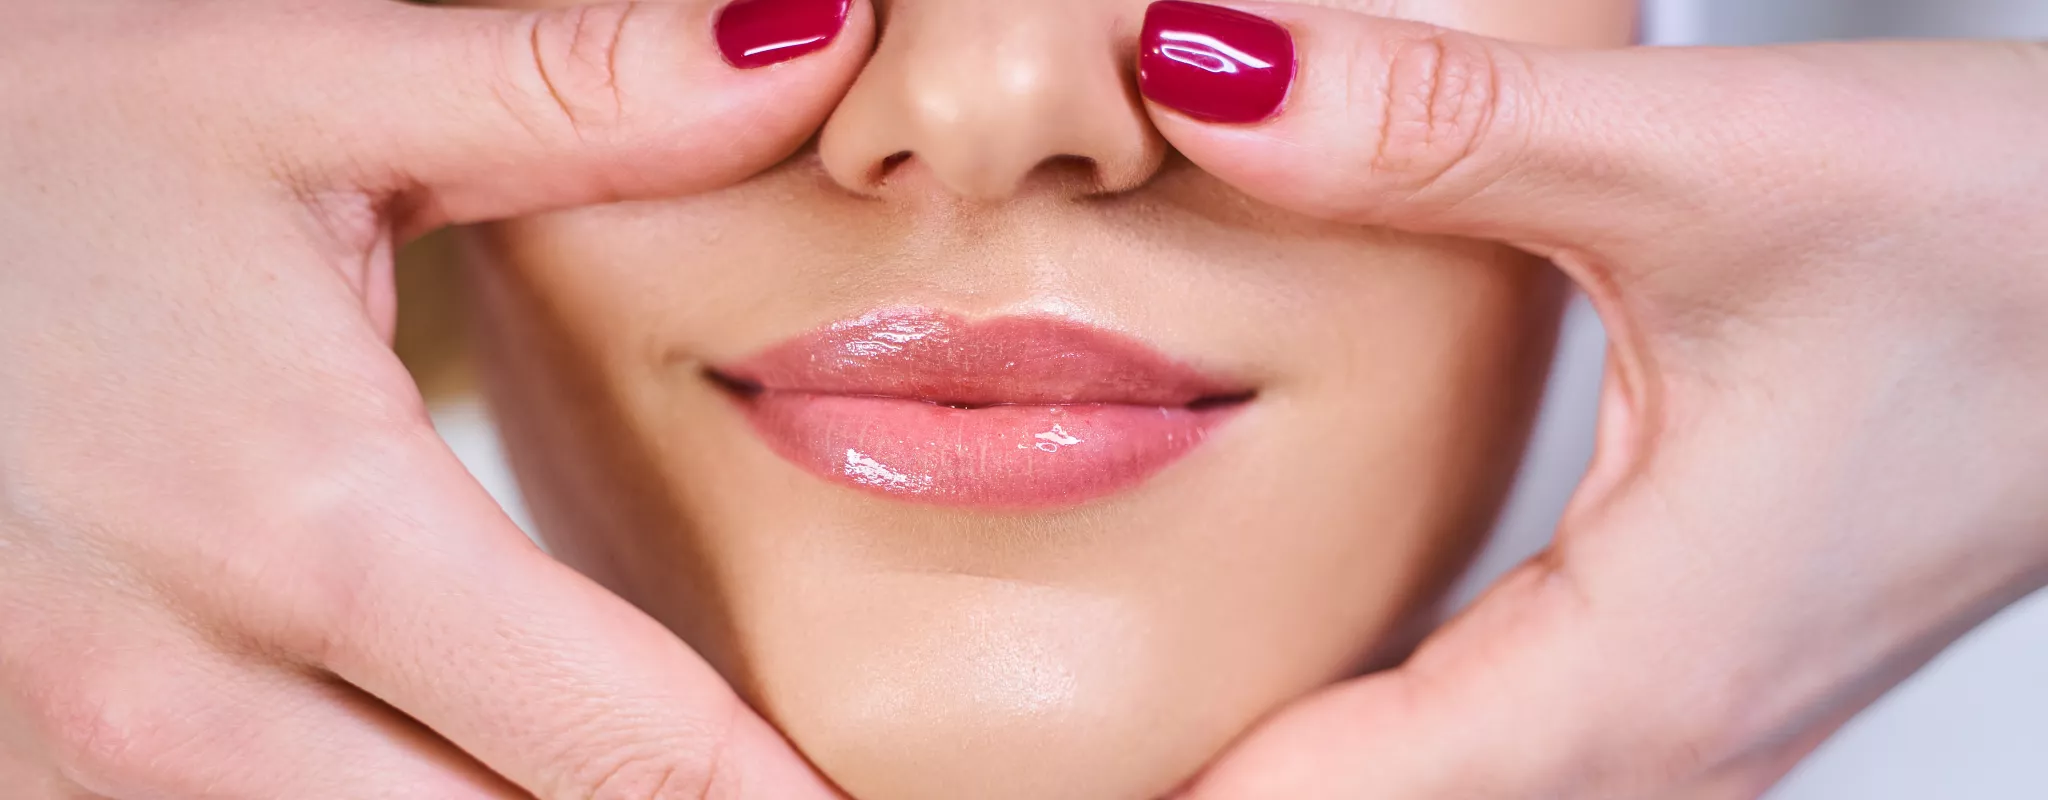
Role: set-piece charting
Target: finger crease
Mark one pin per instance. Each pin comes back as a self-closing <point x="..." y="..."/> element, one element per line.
<point x="547" y="78"/>
<point x="611" y="56"/>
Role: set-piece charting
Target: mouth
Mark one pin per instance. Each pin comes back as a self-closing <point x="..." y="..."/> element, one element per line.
<point x="1018" y="412"/>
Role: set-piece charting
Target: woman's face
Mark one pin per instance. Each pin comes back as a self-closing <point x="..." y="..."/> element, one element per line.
<point x="991" y="449"/>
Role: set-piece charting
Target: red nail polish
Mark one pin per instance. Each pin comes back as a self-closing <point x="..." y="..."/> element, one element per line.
<point x="1213" y="63"/>
<point x="756" y="33"/>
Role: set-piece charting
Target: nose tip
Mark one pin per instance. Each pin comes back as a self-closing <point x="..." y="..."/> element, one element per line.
<point x="982" y="134"/>
<point x="1016" y="98"/>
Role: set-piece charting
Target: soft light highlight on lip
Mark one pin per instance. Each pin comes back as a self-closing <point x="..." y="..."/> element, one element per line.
<point x="1010" y="412"/>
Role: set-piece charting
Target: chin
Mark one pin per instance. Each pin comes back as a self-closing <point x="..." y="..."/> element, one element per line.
<point x="948" y="686"/>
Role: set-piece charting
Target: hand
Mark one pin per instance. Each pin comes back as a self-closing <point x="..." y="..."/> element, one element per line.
<point x="235" y="561"/>
<point x="1822" y="455"/>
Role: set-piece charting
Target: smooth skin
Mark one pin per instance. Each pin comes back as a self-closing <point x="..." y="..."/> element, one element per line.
<point x="235" y="560"/>
<point x="1821" y="457"/>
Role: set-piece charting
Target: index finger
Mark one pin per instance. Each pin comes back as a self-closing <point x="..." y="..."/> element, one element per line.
<point x="1397" y="123"/>
<point x="459" y="115"/>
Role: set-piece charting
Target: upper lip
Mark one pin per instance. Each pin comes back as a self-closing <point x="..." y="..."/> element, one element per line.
<point x="942" y="358"/>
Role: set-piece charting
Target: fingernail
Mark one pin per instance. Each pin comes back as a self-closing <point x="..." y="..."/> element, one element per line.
<point x="756" y="33"/>
<point x="1213" y="63"/>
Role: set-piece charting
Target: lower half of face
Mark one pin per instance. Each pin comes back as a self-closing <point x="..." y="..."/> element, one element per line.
<point x="1042" y="492"/>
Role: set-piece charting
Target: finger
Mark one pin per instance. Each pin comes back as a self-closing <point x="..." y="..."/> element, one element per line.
<point x="1560" y="681"/>
<point x="1527" y="695"/>
<point x="179" y="719"/>
<point x="1419" y="127"/>
<point x="343" y="744"/>
<point x="471" y="114"/>
<point x="455" y="619"/>
<point x="1679" y="644"/>
<point x="303" y="737"/>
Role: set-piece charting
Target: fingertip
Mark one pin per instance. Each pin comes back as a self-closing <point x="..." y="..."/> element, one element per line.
<point x="1214" y="63"/>
<point x="758" y="33"/>
<point x="1291" y="104"/>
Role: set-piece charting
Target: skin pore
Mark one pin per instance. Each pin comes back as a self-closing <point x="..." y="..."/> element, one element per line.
<point x="992" y="159"/>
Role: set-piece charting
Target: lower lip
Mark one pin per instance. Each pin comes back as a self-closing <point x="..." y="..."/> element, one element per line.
<point x="1015" y="456"/>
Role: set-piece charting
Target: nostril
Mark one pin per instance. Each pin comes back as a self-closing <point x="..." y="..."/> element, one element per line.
<point x="890" y="164"/>
<point x="1068" y="165"/>
<point x="1073" y="174"/>
<point x="974" y="168"/>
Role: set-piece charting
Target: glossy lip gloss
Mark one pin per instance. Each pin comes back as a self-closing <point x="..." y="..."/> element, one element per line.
<point x="1011" y="412"/>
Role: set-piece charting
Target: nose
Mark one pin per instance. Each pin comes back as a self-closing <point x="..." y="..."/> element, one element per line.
<point x="984" y="98"/>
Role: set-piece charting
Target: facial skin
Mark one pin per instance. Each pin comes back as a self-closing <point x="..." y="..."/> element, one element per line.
<point x="993" y="159"/>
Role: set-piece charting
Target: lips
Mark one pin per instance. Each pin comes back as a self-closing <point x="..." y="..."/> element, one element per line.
<point x="1012" y="412"/>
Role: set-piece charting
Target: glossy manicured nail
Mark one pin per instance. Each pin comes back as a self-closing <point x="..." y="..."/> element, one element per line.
<point x="1213" y="63"/>
<point x="756" y="33"/>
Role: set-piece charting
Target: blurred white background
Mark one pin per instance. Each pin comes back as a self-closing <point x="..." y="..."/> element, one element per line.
<point x="1974" y="724"/>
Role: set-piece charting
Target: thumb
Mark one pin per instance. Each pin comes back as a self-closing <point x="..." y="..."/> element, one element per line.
<point x="465" y="115"/>
<point x="1376" y="121"/>
<point x="1595" y="671"/>
<point x="1530" y="694"/>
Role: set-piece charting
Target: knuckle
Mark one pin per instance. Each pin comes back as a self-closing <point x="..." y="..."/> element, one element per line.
<point x="1443" y="94"/>
<point x="311" y="593"/>
<point x="293" y="549"/>
<point x="90" y="747"/>
<point x="103" y="735"/>
<point x="570" y="68"/>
